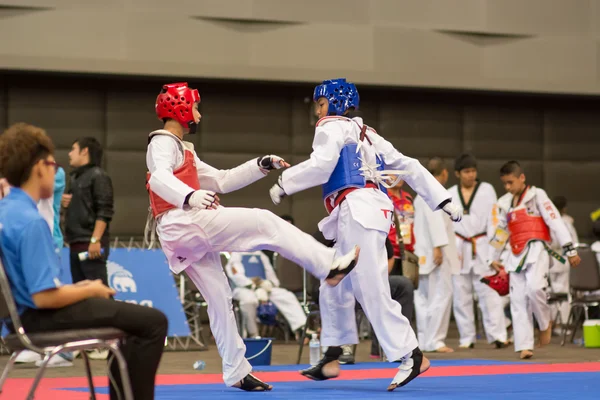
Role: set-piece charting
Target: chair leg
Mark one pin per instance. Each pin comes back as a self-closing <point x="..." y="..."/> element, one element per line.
<point x="576" y="320"/>
<point x="114" y="348"/>
<point x="88" y="372"/>
<point x="40" y="373"/>
<point x="566" y="326"/>
<point x="9" y="365"/>
<point x="302" y="338"/>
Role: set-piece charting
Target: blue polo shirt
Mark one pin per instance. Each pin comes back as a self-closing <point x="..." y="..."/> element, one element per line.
<point x="28" y="254"/>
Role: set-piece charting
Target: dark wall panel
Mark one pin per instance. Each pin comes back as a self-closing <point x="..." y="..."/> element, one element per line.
<point x="557" y="139"/>
<point x="66" y="113"/>
<point x="503" y="133"/>
<point x="420" y="129"/>
<point x="572" y="134"/>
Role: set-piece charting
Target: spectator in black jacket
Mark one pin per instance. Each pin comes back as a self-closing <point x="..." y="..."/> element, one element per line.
<point x="89" y="206"/>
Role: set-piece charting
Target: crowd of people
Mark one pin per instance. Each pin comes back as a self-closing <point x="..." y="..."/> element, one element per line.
<point x="376" y="246"/>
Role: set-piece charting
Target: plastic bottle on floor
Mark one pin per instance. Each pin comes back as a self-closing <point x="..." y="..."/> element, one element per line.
<point x="199" y="365"/>
<point x="315" y="350"/>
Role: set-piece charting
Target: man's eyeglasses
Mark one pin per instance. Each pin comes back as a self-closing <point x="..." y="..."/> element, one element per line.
<point x="53" y="163"/>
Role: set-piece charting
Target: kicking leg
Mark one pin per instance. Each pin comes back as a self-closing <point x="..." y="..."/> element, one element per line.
<point x="244" y="230"/>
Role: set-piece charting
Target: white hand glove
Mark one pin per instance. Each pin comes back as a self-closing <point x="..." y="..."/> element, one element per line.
<point x="204" y="199"/>
<point x="266" y="285"/>
<point x="277" y="193"/>
<point x="455" y="212"/>
<point x="271" y="161"/>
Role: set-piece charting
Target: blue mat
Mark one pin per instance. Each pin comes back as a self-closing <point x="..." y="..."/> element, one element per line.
<point x="582" y="386"/>
<point x="387" y="365"/>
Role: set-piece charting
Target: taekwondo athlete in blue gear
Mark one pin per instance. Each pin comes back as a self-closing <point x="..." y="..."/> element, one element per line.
<point x="348" y="159"/>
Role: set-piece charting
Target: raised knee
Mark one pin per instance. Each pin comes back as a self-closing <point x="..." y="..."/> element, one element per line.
<point x="265" y="215"/>
<point x="160" y="323"/>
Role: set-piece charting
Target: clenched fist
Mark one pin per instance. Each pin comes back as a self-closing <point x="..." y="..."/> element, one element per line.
<point x="271" y="161"/>
<point x="204" y="199"/>
<point x="276" y="192"/>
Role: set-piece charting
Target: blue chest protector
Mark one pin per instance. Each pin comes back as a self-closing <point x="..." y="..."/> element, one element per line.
<point x="347" y="172"/>
<point x="253" y="266"/>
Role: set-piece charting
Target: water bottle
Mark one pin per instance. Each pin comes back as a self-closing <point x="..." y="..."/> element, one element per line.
<point x="84" y="255"/>
<point x="199" y="365"/>
<point x="315" y="350"/>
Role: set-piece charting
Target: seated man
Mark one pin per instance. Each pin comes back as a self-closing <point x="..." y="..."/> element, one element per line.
<point x="33" y="270"/>
<point x="255" y="281"/>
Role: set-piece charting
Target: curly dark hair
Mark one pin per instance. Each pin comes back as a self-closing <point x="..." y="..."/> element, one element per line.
<point x="21" y="146"/>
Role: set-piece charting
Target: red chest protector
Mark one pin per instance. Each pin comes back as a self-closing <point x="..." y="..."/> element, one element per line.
<point x="186" y="173"/>
<point x="524" y="228"/>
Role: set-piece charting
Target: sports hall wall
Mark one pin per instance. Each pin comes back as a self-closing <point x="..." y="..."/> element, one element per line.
<point x="436" y="77"/>
<point x="556" y="137"/>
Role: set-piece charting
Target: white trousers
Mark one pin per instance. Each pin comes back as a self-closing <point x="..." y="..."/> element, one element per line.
<point x="528" y="299"/>
<point x="490" y="303"/>
<point x="368" y="282"/>
<point x="559" y="280"/>
<point x="285" y="301"/>
<point x="239" y="230"/>
<point x="433" y="305"/>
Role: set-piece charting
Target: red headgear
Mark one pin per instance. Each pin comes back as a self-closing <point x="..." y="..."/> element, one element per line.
<point x="499" y="282"/>
<point x="176" y="101"/>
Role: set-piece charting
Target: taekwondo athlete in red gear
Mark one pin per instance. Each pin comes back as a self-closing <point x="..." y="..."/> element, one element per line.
<point x="193" y="228"/>
<point x="347" y="160"/>
<point x="525" y="217"/>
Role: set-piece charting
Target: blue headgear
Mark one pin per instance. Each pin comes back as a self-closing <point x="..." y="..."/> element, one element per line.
<point x="340" y="94"/>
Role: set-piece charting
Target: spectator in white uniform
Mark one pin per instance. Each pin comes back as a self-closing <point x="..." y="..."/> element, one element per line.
<point x="255" y="281"/>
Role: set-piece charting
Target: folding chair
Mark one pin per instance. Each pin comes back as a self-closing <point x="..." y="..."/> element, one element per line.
<point x="239" y="316"/>
<point x="49" y="344"/>
<point x="557" y="298"/>
<point x="585" y="282"/>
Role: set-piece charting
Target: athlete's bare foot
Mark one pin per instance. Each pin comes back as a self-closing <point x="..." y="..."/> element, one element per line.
<point x="444" y="349"/>
<point x="332" y="369"/>
<point x="323" y="370"/>
<point x="546" y="335"/>
<point x="526" y="354"/>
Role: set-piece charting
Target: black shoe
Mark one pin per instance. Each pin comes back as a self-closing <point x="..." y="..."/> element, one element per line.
<point x="347" y="357"/>
<point x="250" y="383"/>
<point x="315" y="372"/>
<point x="499" y="344"/>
